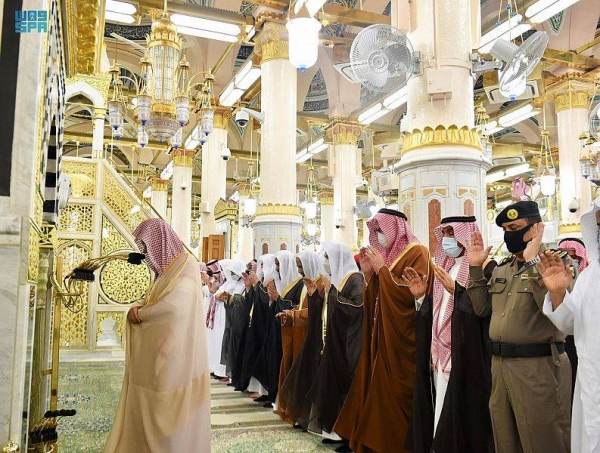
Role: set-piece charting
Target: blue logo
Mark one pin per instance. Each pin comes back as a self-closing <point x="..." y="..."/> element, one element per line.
<point x="31" y="21"/>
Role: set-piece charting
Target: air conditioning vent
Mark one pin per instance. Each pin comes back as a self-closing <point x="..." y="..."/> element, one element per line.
<point x="494" y="96"/>
<point x="346" y="70"/>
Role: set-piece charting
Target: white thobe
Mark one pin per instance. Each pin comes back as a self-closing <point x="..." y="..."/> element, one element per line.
<point x="215" y="341"/>
<point x="440" y="380"/>
<point x="579" y="315"/>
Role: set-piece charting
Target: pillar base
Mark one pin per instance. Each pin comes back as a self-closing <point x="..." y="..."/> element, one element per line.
<point x="275" y="232"/>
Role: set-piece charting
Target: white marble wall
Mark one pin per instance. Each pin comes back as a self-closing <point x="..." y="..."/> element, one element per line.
<point x="17" y="211"/>
<point x="276" y="230"/>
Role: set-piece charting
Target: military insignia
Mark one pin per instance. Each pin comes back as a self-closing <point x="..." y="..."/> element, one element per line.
<point x="524" y="276"/>
<point x="512" y="214"/>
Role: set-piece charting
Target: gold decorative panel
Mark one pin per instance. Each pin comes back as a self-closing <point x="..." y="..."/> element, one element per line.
<point x="83" y="178"/>
<point x="33" y="255"/>
<point x="74" y="323"/>
<point x="118" y="316"/>
<point x="38" y="207"/>
<point x="77" y="218"/>
<point x="48" y="238"/>
<point x="112" y="240"/>
<point x="124" y="283"/>
<point x="121" y="202"/>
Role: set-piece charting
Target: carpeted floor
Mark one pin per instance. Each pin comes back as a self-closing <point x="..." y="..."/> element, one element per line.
<point x="239" y="425"/>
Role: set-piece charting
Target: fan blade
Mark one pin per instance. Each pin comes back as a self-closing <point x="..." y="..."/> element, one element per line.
<point x="133" y="44"/>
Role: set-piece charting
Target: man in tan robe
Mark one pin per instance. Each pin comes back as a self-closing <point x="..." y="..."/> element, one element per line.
<point x="165" y="400"/>
<point x="375" y="416"/>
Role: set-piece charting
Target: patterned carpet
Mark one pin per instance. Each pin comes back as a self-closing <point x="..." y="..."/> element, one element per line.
<point x="239" y="425"/>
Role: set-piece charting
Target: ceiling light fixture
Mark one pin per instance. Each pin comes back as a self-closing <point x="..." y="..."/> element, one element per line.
<point x="518" y="115"/>
<point x="506" y="30"/>
<point x="545" y="9"/>
<point x="205" y="28"/>
<point x="244" y="79"/>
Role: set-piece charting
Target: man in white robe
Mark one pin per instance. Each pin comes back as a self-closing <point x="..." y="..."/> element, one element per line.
<point x="578" y="313"/>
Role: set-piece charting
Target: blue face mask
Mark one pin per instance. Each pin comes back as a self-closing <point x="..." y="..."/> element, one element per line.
<point x="451" y="247"/>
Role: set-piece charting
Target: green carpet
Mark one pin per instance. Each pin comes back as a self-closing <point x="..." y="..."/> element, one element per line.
<point x="239" y="424"/>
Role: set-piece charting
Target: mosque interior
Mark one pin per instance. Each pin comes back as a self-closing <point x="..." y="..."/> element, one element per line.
<point x="253" y="127"/>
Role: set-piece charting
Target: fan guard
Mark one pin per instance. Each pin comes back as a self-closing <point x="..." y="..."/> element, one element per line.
<point x="382" y="58"/>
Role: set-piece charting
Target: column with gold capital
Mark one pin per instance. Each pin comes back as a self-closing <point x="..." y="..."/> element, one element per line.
<point x="278" y="221"/>
<point x="181" y="211"/>
<point x="160" y="192"/>
<point x="343" y="136"/>
<point x="442" y="169"/>
<point x="214" y="170"/>
<point x="327" y="215"/>
<point x="98" y="132"/>
<point x="571" y="97"/>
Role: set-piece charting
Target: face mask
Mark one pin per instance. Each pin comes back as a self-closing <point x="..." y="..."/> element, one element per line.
<point x="383" y="241"/>
<point x="514" y="239"/>
<point x="451" y="247"/>
<point x="235" y="277"/>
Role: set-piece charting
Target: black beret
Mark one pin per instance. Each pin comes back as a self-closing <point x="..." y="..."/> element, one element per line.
<point x="571" y="239"/>
<point x="459" y="219"/>
<point x="392" y="212"/>
<point x="519" y="210"/>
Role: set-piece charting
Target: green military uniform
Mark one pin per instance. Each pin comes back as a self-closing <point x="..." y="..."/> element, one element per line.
<point x="530" y="404"/>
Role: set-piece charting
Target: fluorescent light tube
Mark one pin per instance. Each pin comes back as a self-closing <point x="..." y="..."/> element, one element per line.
<point x="514" y="119"/>
<point x="111" y="16"/>
<point x="508" y="117"/>
<point x="510" y="26"/>
<point x="397" y="99"/>
<point x="517" y="170"/>
<point x="181" y="20"/>
<point x="316" y="144"/>
<point x="120" y="7"/>
<point x="508" y="35"/>
<point x="549" y="11"/>
<point x="372" y="113"/>
<point x="318" y="149"/>
<point x="147" y="192"/>
<point x="303" y="155"/>
<point x="230" y="95"/>
<point x="206" y="34"/>
<point x="167" y="171"/>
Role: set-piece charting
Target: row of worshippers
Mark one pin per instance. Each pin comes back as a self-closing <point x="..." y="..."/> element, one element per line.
<point x="479" y="368"/>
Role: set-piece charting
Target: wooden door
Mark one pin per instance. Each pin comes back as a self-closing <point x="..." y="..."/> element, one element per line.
<point x="216" y="246"/>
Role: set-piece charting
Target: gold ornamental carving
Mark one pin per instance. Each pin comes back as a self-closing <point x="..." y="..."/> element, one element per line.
<point x="278" y="209"/>
<point x="325" y="197"/>
<point x="123" y="283"/>
<point x="571" y="99"/>
<point x="343" y="133"/>
<point x="221" y="119"/>
<point x="160" y="185"/>
<point x="33" y="255"/>
<point x="77" y="218"/>
<point x="83" y="178"/>
<point x="48" y="237"/>
<point x="226" y="209"/>
<point x="441" y="136"/>
<point x="100" y="82"/>
<point x="117" y="316"/>
<point x="112" y="239"/>
<point x="38" y="216"/>
<point x="84" y="18"/>
<point x="183" y="158"/>
<point x="120" y="202"/>
<point x="569" y="228"/>
<point x="272" y="43"/>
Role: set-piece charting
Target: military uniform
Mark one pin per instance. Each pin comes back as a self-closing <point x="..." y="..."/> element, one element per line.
<point x="530" y="404"/>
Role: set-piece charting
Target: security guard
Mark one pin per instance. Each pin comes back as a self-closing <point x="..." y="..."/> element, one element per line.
<point x="530" y="404"/>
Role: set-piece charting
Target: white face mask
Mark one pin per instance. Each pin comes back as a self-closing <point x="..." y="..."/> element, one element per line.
<point x="383" y="241"/>
<point x="451" y="247"/>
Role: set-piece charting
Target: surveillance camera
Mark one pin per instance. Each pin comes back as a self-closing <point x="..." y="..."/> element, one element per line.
<point x="242" y="119"/>
<point x="225" y="153"/>
<point x="574" y="205"/>
<point x="338" y="226"/>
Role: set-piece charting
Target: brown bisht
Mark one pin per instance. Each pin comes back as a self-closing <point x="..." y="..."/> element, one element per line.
<point x="464" y="424"/>
<point x="375" y="416"/>
<point x="343" y="339"/>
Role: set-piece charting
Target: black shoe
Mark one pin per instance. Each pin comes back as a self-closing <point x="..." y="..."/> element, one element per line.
<point x="344" y="449"/>
<point x="268" y="405"/>
<point x="230" y="384"/>
<point x="262" y="399"/>
<point x="332" y="441"/>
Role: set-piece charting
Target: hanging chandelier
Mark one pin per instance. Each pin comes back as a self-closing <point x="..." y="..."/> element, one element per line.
<point x="303" y="32"/>
<point x="483" y="125"/>
<point x="310" y="205"/>
<point x="590" y="158"/>
<point x="548" y="175"/>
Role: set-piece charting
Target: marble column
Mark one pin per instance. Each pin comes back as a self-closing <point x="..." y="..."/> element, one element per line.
<point x="571" y="102"/>
<point x="343" y="136"/>
<point x="214" y="171"/>
<point x="278" y="219"/>
<point x="182" y="193"/>
<point x="327" y="215"/>
<point x="160" y="194"/>
<point x="98" y="132"/>
<point x="442" y="170"/>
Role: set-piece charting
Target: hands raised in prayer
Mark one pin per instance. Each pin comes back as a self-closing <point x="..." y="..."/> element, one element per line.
<point x="533" y="246"/>
<point x="372" y="258"/>
<point x="417" y="284"/>
<point x="223" y="296"/>
<point x="204" y="278"/>
<point x="132" y="315"/>
<point x="444" y="278"/>
<point x="272" y="291"/>
<point x="556" y="276"/>
<point x="323" y="285"/>
<point x="253" y="277"/>
<point x="476" y="251"/>
<point x="247" y="281"/>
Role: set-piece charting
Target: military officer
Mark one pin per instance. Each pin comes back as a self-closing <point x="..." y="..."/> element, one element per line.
<point x="530" y="403"/>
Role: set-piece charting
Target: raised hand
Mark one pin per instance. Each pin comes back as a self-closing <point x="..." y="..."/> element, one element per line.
<point x="247" y="282"/>
<point x="375" y="258"/>
<point x="272" y="291"/>
<point x="204" y="278"/>
<point x="365" y="263"/>
<point x="444" y="278"/>
<point x="556" y="277"/>
<point x="253" y="277"/>
<point x="325" y="285"/>
<point x="533" y="246"/>
<point x="417" y="285"/>
<point x="476" y="251"/>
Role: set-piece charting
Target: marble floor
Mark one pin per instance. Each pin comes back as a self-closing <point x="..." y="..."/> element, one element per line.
<point x="239" y="425"/>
